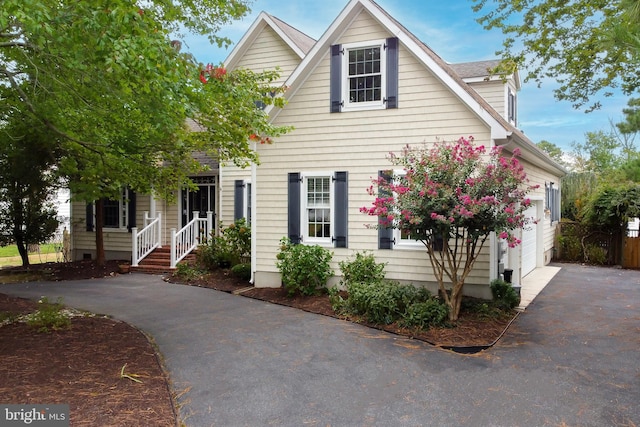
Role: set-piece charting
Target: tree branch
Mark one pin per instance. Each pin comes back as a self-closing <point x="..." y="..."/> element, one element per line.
<point x="44" y="120"/>
<point x="13" y="44"/>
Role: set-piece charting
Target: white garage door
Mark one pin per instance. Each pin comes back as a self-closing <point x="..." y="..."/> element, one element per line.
<point x="529" y="249"/>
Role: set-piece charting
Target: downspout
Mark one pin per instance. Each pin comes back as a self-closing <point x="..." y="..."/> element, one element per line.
<point x="254" y="202"/>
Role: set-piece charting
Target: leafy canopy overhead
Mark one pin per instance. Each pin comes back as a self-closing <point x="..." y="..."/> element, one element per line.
<point x="588" y="46"/>
<point x="107" y="78"/>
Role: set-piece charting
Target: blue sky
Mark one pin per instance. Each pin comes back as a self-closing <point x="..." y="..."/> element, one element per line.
<point x="450" y="29"/>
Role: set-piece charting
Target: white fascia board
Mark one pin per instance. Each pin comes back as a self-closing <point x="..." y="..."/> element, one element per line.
<point x="263" y="20"/>
<point x="320" y="49"/>
<point x="275" y="27"/>
<point x="246" y="41"/>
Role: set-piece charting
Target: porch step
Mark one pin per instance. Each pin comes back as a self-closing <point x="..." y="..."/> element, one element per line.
<point x="159" y="261"/>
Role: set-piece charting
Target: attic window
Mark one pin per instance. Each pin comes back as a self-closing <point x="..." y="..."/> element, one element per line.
<point x="364" y="76"/>
<point x="512" y="113"/>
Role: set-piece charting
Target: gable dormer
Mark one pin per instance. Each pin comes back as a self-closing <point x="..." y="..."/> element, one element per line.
<point x="499" y="92"/>
<point x="269" y="44"/>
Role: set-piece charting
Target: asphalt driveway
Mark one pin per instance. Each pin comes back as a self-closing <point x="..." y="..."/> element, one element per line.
<point x="572" y="358"/>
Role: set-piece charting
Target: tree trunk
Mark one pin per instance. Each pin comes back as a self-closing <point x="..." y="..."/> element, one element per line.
<point x="100" y="257"/>
<point x="23" y="250"/>
<point x="455" y="302"/>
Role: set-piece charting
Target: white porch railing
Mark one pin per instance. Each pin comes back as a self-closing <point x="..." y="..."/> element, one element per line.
<point x="190" y="236"/>
<point x="145" y="241"/>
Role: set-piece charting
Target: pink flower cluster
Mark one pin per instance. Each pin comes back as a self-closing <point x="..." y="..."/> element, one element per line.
<point x="452" y="185"/>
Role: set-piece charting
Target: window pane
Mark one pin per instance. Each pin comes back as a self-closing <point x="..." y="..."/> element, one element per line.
<point x="364" y="66"/>
<point x="112" y="213"/>
<point x="318" y="207"/>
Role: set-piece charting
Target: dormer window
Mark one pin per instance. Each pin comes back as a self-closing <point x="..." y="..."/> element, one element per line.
<point x="364" y="76"/>
<point x="512" y="114"/>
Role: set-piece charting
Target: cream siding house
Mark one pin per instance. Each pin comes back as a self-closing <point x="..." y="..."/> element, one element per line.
<point x="311" y="183"/>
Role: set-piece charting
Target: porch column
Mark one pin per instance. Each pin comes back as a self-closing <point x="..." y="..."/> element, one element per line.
<point x="134" y="246"/>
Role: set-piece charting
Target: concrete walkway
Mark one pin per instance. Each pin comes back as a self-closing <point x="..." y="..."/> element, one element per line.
<point x="534" y="282"/>
<point x="570" y="359"/>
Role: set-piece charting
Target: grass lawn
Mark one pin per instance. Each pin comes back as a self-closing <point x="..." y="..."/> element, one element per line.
<point x="10" y="257"/>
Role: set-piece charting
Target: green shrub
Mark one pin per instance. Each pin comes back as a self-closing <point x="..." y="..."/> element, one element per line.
<point x="382" y="301"/>
<point x="504" y="295"/>
<point x="187" y="271"/>
<point x="231" y="247"/>
<point x="595" y="254"/>
<point x="304" y="268"/>
<point x="425" y="314"/>
<point x="362" y="269"/>
<point x="49" y="316"/>
<point x="243" y="271"/>
<point x="570" y="248"/>
<point x="336" y="300"/>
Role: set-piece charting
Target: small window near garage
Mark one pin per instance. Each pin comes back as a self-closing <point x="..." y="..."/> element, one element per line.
<point x="552" y="201"/>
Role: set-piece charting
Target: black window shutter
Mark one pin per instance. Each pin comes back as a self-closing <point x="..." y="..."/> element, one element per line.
<point x="238" y="199"/>
<point x="336" y="79"/>
<point x="385" y="234"/>
<point x="131" y="207"/>
<point x="392" y="72"/>
<point x="293" y="208"/>
<point x="341" y="214"/>
<point x="89" y="216"/>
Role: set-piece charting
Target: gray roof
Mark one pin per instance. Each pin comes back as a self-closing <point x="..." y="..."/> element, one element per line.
<point x="475" y="69"/>
<point x="212" y="166"/>
<point x="303" y="41"/>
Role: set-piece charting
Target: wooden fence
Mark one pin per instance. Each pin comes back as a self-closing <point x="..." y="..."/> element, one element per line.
<point x="631" y="252"/>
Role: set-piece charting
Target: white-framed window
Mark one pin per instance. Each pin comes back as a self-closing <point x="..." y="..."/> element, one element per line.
<point x="364" y="75"/>
<point x="242" y="200"/>
<point x="401" y="238"/>
<point x="552" y="200"/>
<point x="116" y="212"/>
<point x="318" y="208"/>
<point x="317" y="200"/>
<point x="512" y="108"/>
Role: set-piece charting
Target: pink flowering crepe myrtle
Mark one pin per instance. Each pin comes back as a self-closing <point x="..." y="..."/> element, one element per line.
<point x="457" y="194"/>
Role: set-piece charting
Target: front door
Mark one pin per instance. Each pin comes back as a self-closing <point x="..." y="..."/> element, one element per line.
<point x="202" y="200"/>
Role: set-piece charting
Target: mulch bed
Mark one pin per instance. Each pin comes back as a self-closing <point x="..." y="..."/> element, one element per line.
<point x="472" y="330"/>
<point x="81" y="366"/>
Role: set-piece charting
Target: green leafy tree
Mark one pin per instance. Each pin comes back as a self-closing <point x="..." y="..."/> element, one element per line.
<point x="588" y="46"/>
<point x="631" y="124"/>
<point x="27" y="185"/>
<point x="107" y="78"/>
<point x="575" y="192"/>
<point x="598" y="154"/>
<point x="553" y="151"/>
<point x="451" y="198"/>
<point x="611" y="206"/>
